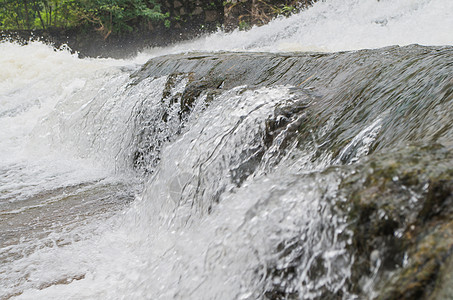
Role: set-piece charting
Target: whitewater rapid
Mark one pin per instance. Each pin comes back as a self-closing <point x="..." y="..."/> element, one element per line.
<point x="80" y="221"/>
<point x="337" y="25"/>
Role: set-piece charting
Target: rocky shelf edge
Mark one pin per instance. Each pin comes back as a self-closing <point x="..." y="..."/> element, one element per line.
<point x="398" y="204"/>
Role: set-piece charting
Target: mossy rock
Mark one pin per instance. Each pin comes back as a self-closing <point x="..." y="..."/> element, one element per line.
<point x="443" y="289"/>
<point x="400" y="209"/>
<point x="417" y="279"/>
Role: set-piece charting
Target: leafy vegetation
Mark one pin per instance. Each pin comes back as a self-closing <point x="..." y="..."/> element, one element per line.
<point x="245" y="14"/>
<point x="122" y="16"/>
<point x="106" y="15"/>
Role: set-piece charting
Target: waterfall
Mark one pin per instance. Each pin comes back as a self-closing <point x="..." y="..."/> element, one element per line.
<point x="305" y="159"/>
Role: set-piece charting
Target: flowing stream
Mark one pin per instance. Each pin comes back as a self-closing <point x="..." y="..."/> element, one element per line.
<point x="218" y="169"/>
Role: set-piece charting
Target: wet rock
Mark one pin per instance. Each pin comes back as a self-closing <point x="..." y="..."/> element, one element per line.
<point x="402" y="209"/>
<point x="443" y="289"/>
<point x="211" y="16"/>
<point x="400" y="230"/>
<point x="197" y="11"/>
<point x="439" y="200"/>
<point x="417" y="279"/>
<point x="280" y="130"/>
<point x="397" y="199"/>
<point x="177" y="4"/>
<point x="194" y="89"/>
<point x="287" y="118"/>
<point x="161" y="123"/>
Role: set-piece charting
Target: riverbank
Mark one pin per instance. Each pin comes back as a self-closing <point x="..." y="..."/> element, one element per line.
<point x="92" y="44"/>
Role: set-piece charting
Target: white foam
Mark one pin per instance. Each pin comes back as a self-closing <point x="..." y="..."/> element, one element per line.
<point x="41" y="89"/>
<point x="338" y="25"/>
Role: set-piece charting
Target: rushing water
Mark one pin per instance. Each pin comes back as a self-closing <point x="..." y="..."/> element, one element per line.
<point x="214" y="175"/>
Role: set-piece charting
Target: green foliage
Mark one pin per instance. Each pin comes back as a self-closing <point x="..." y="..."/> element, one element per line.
<point x="119" y="15"/>
<point x="286" y="10"/>
<point x="167" y="23"/>
<point x="211" y="5"/>
<point x="37" y="14"/>
<point x="122" y="16"/>
<point x="243" y="25"/>
<point x="107" y="16"/>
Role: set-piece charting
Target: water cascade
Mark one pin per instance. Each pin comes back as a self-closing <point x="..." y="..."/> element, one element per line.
<point x="306" y="159"/>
